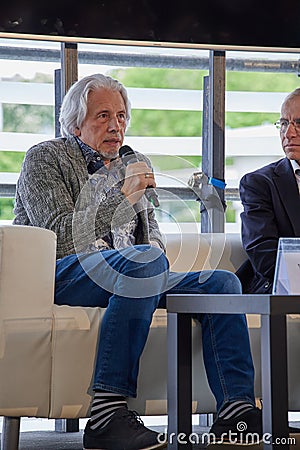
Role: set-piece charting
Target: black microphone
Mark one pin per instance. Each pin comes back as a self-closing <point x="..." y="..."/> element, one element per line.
<point x="128" y="157"/>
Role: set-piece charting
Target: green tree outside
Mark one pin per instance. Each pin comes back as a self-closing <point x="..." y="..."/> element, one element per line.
<point x="40" y="119"/>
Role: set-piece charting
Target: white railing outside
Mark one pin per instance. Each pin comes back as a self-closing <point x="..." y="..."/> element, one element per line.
<point x="249" y="147"/>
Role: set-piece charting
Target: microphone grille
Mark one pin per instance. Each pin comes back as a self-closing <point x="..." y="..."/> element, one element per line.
<point x="125" y="150"/>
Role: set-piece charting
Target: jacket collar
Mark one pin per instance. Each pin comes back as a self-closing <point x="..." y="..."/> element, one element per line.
<point x="73" y="149"/>
<point x="286" y="184"/>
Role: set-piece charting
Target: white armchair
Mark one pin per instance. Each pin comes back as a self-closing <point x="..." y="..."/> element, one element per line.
<point x="47" y="351"/>
<point x="27" y="268"/>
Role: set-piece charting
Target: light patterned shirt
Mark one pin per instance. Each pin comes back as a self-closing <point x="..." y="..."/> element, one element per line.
<point x="103" y="181"/>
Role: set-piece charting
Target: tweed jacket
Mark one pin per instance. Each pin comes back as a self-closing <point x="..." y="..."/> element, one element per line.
<point x="54" y="192"/>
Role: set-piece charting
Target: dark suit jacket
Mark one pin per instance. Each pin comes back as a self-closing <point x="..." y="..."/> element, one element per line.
<point x="271" y="203"/>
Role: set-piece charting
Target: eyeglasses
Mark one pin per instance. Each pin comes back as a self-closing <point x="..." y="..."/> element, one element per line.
<point x="283" y="125"/>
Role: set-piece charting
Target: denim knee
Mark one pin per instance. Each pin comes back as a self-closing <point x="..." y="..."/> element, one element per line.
<point x="231" y="283"/>
<point x="220" y="282"/>
<point x="145" y="273"/>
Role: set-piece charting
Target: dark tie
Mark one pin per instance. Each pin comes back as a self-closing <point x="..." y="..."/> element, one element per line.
<point x="297" y="173"/>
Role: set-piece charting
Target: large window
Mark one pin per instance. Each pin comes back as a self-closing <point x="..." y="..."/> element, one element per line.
<point x="166" y="91"/>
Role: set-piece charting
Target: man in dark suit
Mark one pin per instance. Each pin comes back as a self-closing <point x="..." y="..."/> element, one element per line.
<point x="271" y="202"/>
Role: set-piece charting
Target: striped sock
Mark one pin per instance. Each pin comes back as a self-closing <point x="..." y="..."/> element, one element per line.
<point x="104" y="405"/>
<point x="234" y="409"/>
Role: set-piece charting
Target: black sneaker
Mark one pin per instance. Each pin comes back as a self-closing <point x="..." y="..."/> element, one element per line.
<point x="245" y="429"/>
<point x="125" y="431"/>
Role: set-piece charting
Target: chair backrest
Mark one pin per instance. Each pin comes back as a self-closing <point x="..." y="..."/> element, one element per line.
<point x="198" y="251"/>
<point x="27" y="266"/>
<point x="24" y="252"/>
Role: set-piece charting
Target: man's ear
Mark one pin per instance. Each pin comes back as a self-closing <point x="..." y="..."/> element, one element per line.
<point x="77" y="131"/>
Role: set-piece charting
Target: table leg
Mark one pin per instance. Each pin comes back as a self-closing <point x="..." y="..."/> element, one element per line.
<point x="179" y="381"/>
<point x="10" y="433"/>
<point x="274" y="381"/>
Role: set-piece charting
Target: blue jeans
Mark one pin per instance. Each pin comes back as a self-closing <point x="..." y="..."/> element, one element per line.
<point x="131" y="284"/>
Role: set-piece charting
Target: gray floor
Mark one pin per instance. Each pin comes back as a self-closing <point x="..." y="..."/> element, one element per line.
<point x="52" y="440"/>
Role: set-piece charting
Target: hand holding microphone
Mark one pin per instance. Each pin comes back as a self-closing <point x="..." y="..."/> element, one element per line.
<point x="139" y="178"/>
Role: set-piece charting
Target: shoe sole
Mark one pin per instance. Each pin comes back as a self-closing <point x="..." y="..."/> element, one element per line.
<point x="145" y="448"/>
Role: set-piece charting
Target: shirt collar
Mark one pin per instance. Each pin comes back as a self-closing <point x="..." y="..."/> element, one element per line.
<point x="88" y="152"/>
<point x="296" y="169"/>
<point x="92" y="158"/>
<point x="295" y="165"/>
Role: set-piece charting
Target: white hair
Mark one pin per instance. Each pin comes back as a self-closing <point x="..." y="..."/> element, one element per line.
<point x="74" y="106"/>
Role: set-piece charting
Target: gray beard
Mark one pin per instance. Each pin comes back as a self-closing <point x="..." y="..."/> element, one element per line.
<point x="109" y="156"/>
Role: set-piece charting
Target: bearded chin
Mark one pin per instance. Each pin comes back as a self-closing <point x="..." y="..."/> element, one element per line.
<point x="109" y="155"/>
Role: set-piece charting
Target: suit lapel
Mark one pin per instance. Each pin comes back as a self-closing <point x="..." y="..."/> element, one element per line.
<point x="287" y="188"/>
